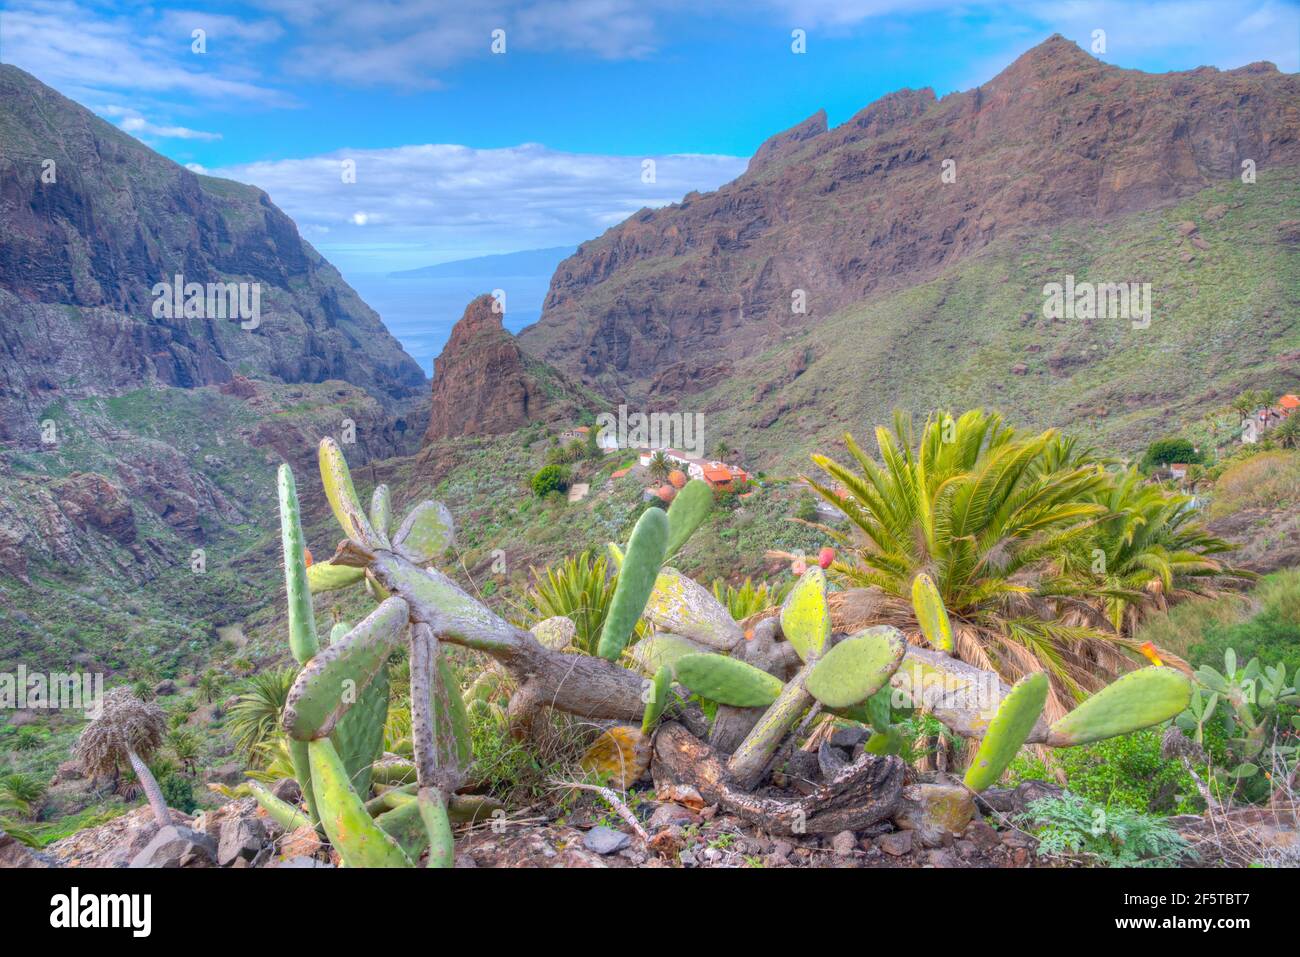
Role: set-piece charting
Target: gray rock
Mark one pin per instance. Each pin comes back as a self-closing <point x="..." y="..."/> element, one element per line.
<point x="165" y="688"/>
<point x="13" y="853"/>
<point x="667" y="815"/>
<point x="605" y="840"/>
<point x="177" y="846"/>
<point x="288" y="790"/>
<point x="242" y="838"/>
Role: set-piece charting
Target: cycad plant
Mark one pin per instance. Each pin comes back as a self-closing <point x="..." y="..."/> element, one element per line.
<point x="1146" y="550"/>
<point x="749" y="599"/>
<point x="981" y="509"/>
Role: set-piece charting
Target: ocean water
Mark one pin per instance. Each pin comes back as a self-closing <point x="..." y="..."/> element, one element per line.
<point x="420" y="310"/>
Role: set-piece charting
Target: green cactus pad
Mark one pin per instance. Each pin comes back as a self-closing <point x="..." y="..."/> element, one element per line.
<point x="281" y="812"/>
<point x="426" y="533"/>
<point x="660" y="693"/>
<point x="433" y="587"/>
<point x="805" y="617"/>
<point x="453" y="725"/>
<point x="360" y="841"/>
<point x="689" y="508"/>
<point x="931" y="613"/>
<point x="405" y="826"/>
<point x="1138" y="700"/>
<point x="381" y="513"/>
<point x="857" y="667"/>
<point x="336" y="678"/>
<point x="303" y="642"/>
<point x="433" y="812"/>
<point x="636" y="580"/>
<point x="337" y="480"/>
<point x="728" y="681"/>
<point x="885" y="742"/>
<point x="359" y="734"/>
<point x="660" y="649"/>
<point x="1009" y="729"/>
<point x="683" y="606"/>
<point x="326" y="576"/>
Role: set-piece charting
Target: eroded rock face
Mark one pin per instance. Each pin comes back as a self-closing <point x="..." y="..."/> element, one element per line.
<point x="842" y="213"/>
<point x="484" y="384"/>
<point x="81" y="255"/>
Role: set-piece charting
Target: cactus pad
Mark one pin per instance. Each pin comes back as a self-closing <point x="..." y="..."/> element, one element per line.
<point x="931" y="613"/>
<point x="336" y="678"/>
<point x="636" y="579"/>
<point x="1138" y="700"/>
<point x="326" y="576"/>
<point x="660" y="649"/>
<point x="689" y="508"/>
<point x="728" y="680"/>
<point x="621" y="756"/>
<point x="857" y="667"/>
<point x="343" y="500"/>
<point x="381" y="513"/>
<point x="1009" y="729"/>
<point x="684" y="607"/>
<point x="426" y="533"/>
<point x="660" y="691"/>
<point x="805" y="617"/>
<point x="360" y="841"/>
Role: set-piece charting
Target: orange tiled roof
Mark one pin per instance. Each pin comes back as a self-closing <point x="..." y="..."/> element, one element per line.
<point x="1290" y="401"/>
<point x="621" y="472"/>
<point x="717" y="473"/>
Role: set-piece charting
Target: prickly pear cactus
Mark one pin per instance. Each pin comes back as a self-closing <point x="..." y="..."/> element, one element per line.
<point x="636" y="580"/>
<point x="1137" y="700"/>
<point x="857" y="667"/>
<point x="1009" y="729"/>
<point x="727" y="680"/>
<point x="931" y="613"/>
<point x="805" y="617"/>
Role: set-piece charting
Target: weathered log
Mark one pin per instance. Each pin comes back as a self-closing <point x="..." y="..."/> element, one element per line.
<point x="861" y="794"/>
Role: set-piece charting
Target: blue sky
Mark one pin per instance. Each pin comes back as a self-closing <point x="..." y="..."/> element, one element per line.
<point x="462" y="152"/>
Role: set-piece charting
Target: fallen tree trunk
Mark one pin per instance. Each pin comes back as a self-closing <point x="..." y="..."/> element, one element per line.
<point x="859" y="795"/>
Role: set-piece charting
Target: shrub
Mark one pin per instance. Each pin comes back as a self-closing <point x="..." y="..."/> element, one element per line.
<point x="1164" y="451"/>
<point x="550" y="478"/>
<point x="1262" y="480"/>
<point x="178" y="793"/>
<point x="1115" y="837"/>
<point x="1127" y="772"/>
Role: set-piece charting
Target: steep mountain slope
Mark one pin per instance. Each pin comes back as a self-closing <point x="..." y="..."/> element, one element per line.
<point x="94" y="220"/>
<point x="1224" y="268"/>
<point x="138" y="451"/>
<point x="669" y="302"/>
<point x="484" y="384"/>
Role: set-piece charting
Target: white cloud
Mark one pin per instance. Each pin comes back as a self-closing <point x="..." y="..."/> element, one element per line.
<point x="130" y="120"/>
<point x="441" y="201"/>
<point x="84" y="52"/>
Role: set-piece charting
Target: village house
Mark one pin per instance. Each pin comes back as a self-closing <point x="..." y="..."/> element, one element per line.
<point x="580" y="433"/>
<point x="716" y="473"/>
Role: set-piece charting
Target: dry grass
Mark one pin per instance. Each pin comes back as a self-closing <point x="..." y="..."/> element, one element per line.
<point x="1266" y="480"/>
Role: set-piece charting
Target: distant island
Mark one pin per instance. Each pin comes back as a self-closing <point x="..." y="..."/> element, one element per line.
<point x="526" y="262"/>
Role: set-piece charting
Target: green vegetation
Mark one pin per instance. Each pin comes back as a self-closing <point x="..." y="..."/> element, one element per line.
<point x="1165" y="451"/>
<point x="550" y="478"/>
<point x="1113" y="837"/>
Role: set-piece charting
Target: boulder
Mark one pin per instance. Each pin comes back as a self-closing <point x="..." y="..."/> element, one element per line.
<point x="937" y="811"/>
<point x="13" y="853"/>
<point x="177" y="846"/>
<point x="242" y="838"/>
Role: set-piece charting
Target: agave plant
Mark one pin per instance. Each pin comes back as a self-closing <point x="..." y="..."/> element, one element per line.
<point x="580" y="589"/>
<point x="255" y="716"/>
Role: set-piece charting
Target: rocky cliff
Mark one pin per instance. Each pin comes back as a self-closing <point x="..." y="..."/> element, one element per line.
<point x="671" y="299"/>
<point x="94" y="220"/>
<point x="484" y="384"/>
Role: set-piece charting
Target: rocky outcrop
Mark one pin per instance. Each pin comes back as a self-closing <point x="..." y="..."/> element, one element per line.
<point x="94" y="220"/>
<point x="824" y="219"/>
<point x="484" y="384"/>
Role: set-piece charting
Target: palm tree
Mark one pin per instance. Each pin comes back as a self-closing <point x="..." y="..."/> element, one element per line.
<point x="185" y="744"/>
<point x="209" y="686"/>
<point x="659" y="467"/>
<point x="1147" y="550"/>
<point x="1287" y="433"/>
<point x="255" y="716"/>
<point x="127" y="731"/>
<point x="981" y="510"/>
